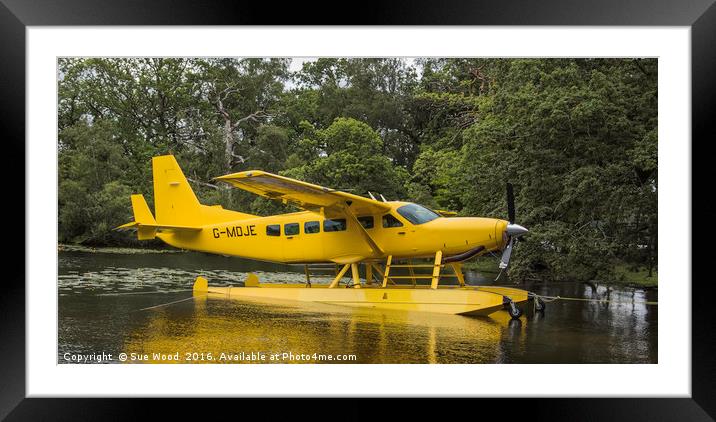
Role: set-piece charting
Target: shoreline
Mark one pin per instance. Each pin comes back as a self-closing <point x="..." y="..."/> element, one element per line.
<point x="66" y="247"/>
<point x="637" y="280"/>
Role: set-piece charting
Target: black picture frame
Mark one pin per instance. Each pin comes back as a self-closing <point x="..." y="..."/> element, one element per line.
<point x="16" y="15"/>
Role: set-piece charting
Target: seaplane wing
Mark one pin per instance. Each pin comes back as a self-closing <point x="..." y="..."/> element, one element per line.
<point x="306" y="196"/>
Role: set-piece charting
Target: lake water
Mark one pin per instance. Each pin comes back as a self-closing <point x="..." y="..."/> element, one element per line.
<point x="141" y="304"/>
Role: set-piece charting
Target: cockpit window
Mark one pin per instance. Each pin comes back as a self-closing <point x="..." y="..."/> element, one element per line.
<point x="417" y="214"/>
<point x="390" y="221"/>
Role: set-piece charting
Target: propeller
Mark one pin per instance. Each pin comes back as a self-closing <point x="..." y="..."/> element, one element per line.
<point x="513" y="231"/>
<point x="506" y="254"/>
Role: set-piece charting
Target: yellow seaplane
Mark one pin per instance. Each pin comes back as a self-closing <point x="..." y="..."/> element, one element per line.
<point x="343" y="230"/>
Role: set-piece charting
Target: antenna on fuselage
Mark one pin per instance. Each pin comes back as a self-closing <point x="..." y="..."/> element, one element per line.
<point x="371" y="196"/>
<point x="383" y="198"/>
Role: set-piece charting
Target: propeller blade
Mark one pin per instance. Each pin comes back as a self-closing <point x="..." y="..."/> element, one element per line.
<point x="506" y="254"/>
<point x="510" y="204"/>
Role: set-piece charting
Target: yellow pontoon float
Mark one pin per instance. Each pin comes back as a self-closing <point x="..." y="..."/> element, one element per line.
<point x="383" y="293"/>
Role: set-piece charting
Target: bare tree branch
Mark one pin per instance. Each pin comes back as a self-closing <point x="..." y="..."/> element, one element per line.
<point x="208" y="185"/>
<point x="239" y="157"/>
<point x="226" y="92"/>
<point x="253" y="117"/>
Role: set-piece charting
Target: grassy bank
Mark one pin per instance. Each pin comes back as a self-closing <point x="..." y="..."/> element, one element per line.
<point x="489" y="265"/>
<point x="636" y="278"/>
<point x="624" y="276"/>
<point x="63" y="247"/>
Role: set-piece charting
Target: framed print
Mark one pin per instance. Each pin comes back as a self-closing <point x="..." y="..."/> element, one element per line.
<point x="206" y="204"/>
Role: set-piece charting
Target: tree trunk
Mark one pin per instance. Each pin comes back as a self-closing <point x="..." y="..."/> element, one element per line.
<point x="228" y="145"/>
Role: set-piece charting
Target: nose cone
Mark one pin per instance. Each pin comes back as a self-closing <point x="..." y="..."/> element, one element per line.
<point x="515" y="230"/>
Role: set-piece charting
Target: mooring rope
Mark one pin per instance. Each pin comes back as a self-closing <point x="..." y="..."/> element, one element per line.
<point x="144" y="293"/>
<point x="581" y="299"/>
<point x="167" y="304"/>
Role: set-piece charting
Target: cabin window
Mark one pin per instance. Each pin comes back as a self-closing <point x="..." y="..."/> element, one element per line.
<point x="336" y="225"/>
<point x="290" y="229"/>
<point x="366" y="222"/>
<point x="273" y="230"/>
<point x="311" y="227"/>
<point x="417" y="214"/>
<point x="390" y="221"/>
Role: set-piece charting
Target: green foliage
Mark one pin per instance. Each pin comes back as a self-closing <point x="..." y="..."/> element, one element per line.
<point x="577" y="138"/>
<point x="271" y="148"/>
<point x="374" y="91"/>
<point x="351" y="159"/>
<point x="93" y="192"/>
<point x="434" y="178"/>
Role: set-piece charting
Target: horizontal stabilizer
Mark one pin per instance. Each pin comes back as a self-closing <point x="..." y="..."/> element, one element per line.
<point x="135" y="225"/>
<point x="128" y="226"/>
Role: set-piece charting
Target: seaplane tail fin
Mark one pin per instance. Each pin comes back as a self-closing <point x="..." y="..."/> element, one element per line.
<point x="146" y="225"/>
<point x="176" y="207"/>
<point x="174" y="201"/>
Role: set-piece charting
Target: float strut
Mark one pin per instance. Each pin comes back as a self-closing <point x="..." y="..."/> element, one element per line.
<point x="386" y="276"/>
<point x="340" y="274"/>
<point x="457" y="268"/>
<point x="436" y="269"/>
<point x="368" y="274"/>
<point x="356" y="276"/>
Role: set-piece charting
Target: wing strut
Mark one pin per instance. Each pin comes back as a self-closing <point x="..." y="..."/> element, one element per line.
<point x="363" y="231"/>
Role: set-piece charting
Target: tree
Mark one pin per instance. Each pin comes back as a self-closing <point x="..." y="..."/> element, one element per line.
<point x="563" y="131"/>
<point x="92" y="191"/>
<point x="374" y="91"/>
<point x="242" y="93"/>
<point x="351" y="158"/>
<point x="435" y="179"/>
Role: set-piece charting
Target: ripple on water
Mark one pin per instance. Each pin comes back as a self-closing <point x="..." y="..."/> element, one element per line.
<point x="118" y="279"/>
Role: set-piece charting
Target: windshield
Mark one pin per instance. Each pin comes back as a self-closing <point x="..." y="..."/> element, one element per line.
<point x="417" y="214"/>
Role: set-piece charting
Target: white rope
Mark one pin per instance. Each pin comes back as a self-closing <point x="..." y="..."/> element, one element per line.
<point x="144" y="293"/>
<point x="166" y="304"/>
<point x="548" y="299"/>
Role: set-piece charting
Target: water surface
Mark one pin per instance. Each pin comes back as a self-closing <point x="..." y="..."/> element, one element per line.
<point x="110" y="303"/>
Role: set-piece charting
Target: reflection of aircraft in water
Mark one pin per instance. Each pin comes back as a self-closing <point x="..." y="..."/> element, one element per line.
<point x="311" y="331"/>
<point x="341" y="229"/>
